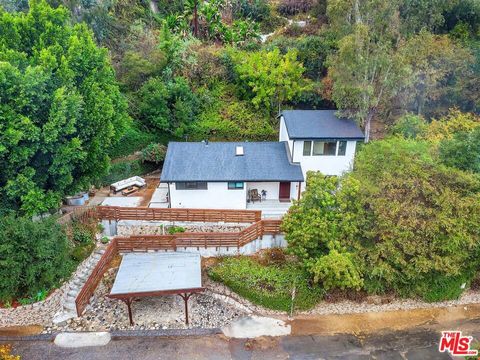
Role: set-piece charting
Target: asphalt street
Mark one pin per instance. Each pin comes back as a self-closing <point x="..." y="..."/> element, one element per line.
<point x="419" y="343"/>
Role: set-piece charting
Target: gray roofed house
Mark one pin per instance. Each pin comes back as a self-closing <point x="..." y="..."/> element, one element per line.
<point x="320" y="124"/>
<point x="218" y="161"/>
<point x="264" y="176"/>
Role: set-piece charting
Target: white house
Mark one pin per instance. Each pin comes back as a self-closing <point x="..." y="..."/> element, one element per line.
<point x="241" y="175"/>
<point x="320" y="141"/>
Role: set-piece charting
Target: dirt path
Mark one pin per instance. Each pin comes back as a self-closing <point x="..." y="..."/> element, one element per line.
<point x="368" y="323"/>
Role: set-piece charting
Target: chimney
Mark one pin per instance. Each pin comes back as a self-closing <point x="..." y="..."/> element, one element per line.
<point x="239" y="150"/>
<point x="206" y="142"/>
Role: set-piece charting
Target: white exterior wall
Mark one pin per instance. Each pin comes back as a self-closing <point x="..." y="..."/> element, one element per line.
<point x="217" y="196"/>
<point x="272" y="188"/>
<point x="294" y="190"/>
<point x="283" y="135"/>
<point x="327" y="164"/>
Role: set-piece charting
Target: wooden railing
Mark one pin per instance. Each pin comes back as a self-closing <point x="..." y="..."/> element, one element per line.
<point x="146" y="242"/>
<point x="79" y="214"/>
<point x="185" y="215"/>
<point x="171" y="242"/>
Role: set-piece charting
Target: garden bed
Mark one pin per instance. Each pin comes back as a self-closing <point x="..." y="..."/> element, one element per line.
<point x="268" y="280"/>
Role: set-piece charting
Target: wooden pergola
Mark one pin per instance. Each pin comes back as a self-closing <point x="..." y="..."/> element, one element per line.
<point x="157" y="274"/>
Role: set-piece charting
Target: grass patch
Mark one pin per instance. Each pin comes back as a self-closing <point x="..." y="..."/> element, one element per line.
<point x="269" y="285"/>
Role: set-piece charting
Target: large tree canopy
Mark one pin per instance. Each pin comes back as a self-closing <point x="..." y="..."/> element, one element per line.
<point x="60" y="108"/>
<point x="400" y="221"/>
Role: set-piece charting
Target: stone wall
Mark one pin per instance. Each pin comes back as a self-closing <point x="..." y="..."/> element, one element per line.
<point x="128" y="228"/>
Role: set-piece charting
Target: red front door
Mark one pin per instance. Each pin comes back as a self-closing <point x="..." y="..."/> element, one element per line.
<point x="284" y="191"/>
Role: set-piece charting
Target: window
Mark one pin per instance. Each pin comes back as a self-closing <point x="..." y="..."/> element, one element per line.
<point x="324" y="147"/>
<point x="342" y="148"/>
<point x="235" y="185"/>
<point x="194" y="185"/>
<point x="307" y="148"/>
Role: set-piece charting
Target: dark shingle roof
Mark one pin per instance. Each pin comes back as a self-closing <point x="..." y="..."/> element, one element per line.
<point x="196" y="161"/>
<point x="320" y="124"/>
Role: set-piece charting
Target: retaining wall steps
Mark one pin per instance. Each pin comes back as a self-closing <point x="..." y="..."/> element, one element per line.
<point x="75" y="284"/>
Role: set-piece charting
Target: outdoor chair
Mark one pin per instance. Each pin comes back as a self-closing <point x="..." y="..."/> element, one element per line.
<point x="255" y="196"/>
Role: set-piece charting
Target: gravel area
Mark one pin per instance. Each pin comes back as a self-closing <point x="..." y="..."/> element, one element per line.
<point x="381" y="303"/>
<point x="125" y="228"/>
<point x="206" y="310"/>
<point x="40" y="313"/>
<point x="216" y="307"/>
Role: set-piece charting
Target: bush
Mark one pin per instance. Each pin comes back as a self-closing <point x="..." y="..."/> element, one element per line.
<point x="154" y="153"/>
<point x="270" y="286"/>
<point x="127" y="168"/>
<point x="337" y="270"/>
<point x="175" y="229"/>
<point x="34" y="256"/>
<point x="410" y="126"/>
<point x="134" y="139"/>
<point x="462" y="151"/>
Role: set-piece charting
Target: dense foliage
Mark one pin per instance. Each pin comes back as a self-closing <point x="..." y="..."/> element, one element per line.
<point x="35" y="256"/>
<point x="60" y="108"/>
<point x="400" y="221"/>
<point x="268" y="285"/>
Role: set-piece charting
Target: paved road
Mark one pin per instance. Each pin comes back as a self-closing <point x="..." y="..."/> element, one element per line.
<point x="420" y="343"/>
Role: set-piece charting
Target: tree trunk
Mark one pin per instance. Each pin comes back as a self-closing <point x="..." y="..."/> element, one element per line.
<point x="195" y="20"/>
<point x="368" y="124"/>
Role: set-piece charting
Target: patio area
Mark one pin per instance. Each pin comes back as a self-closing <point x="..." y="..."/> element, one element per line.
<point x="271" y="209"/>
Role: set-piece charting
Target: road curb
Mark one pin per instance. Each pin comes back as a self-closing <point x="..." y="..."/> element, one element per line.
<point x="122" y="334"/>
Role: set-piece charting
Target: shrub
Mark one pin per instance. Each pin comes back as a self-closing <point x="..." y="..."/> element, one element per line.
<point x="270" y="286"/>
<point x="175" y="229"/>
<point x="168" y="106"/>
<point x="462" y="151"/>
<point x="154" y="153"/>
<point x="6" y="353"/>
<point x="410" y="126"/>
<point x="134" y="139"/>
<point x="34" y="256"/>
<point x="421" y="221"/>
<point x="337" y="270"/>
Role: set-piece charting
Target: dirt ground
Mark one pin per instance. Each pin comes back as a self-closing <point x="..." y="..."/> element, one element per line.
<point x="368" y="323"/>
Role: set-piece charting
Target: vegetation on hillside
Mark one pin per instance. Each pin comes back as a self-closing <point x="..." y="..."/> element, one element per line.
<point x="269" y="281"/>
<point x="405" y="220"/>
<point x="85" y="82"/>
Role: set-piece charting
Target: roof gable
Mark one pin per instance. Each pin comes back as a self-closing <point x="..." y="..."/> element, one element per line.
<point x="217" y="161"/>
<point x="320" y="124"/>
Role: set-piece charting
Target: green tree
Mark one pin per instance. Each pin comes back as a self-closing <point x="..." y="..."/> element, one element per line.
<point x="34" y="256"/>
<point x="60" y="108"/>
<point x="168" y="106"/>
<point x="462" y="151"/>
<point x="441" y="74"/>
<point x="410" y="126"/>
<point x="272" y="78"/>
<point x="326" y="218"/>
<point x="422" y="219"/>
<point x="367" y="70"/>
<point x="420" y="15"/>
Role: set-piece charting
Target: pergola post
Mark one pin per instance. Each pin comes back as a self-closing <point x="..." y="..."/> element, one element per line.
<point x="128" y="302"/>
<point x="185" y="298"/>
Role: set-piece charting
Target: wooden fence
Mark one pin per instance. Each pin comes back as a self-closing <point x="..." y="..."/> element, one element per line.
<point x="79" y="214"/>
<point x="83" y="297"/>
<point x="171" y="242"/>
<point x="169" y="214"/>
